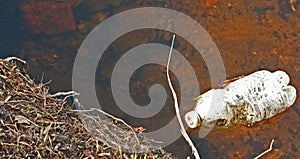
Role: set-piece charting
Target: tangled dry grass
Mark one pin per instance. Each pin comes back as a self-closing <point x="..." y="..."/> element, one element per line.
<point x="37" y="124"/>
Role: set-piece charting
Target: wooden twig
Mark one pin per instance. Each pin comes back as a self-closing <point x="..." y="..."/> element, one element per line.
<point x="182" y="129"/>
<point x="21" y="119"/>
<point x="268" y="150"/>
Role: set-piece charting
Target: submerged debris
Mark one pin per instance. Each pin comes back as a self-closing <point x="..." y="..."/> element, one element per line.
<point x="37" y="124"/>
<point x="260" y="95"/>
<point x="48" y="17"/>
<point x="292" y="3"/>
<point x="208" y="3"/>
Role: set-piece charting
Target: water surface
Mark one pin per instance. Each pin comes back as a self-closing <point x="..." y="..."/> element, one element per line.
<point x="250" y="36"/>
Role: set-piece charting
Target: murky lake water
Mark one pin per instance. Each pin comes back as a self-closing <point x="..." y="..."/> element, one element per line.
<point x="249" y="35"/>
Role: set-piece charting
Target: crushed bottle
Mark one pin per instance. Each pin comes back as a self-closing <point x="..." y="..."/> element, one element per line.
<point x="260" y="95"/>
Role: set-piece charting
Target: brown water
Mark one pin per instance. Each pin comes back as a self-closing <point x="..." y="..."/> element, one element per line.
<point x="250" y="35"/>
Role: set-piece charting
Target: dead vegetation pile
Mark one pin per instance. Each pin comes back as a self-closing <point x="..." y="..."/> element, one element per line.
<point x="37" y="124"/>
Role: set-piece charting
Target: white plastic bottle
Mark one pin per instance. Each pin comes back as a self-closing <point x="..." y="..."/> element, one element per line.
<point x="250" y="99"/>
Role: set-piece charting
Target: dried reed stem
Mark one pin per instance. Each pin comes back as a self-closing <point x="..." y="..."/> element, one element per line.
<point x="182" y="129"/>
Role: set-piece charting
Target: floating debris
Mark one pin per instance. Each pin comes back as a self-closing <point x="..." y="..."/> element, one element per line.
<point x="260" y="95"/>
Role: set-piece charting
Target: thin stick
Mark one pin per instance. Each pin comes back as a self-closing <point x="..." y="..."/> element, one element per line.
<point x="15" y="58"/>
<point x="182" y="129"/>
<point x="72" y="93"/>
<point x="268" y="150"/>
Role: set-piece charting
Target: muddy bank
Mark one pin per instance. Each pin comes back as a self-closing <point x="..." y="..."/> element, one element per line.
<point x="35" y="123"/>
